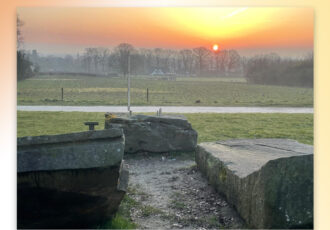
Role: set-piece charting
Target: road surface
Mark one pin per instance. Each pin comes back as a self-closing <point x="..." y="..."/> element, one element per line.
<point x="168" y="109"/>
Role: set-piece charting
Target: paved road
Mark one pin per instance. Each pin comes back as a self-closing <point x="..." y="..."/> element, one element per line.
<point x="168" y="109"/>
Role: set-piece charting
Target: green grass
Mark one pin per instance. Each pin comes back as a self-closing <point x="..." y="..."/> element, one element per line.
<point x="214" y="222"/>
<point x="213" y="127"/>
<point x="213" y="79"/>
<point x="84" y="90"/>
<point x="177" y="204"/>
<point x="147" y="210"/>
<point x="42" y="123"/>
<point x="210" y="127"/>
<point x="176" y="201"/>
<point x="122" y="218"/>
<point x="118" y="222"/>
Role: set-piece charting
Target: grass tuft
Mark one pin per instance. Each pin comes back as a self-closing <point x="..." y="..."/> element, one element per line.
<point x="118" y="222"/>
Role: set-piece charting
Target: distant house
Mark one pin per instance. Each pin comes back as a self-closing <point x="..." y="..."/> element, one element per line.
<point x="157" y="72"/>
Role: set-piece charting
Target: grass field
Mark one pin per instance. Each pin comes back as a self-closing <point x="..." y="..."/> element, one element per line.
<point x="210" y="127"/>
<point x="84" y="90"/>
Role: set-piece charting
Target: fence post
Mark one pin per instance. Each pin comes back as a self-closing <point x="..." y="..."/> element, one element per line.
<point x="147" y="94"/>
<point x="62" y="93"/>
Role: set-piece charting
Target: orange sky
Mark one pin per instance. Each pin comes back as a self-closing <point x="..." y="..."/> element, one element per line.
<point x="64" y="30"/>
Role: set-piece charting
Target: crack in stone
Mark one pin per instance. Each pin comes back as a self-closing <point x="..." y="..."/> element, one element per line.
<point x="263" y="145"/>
<point x="288" y="150"/>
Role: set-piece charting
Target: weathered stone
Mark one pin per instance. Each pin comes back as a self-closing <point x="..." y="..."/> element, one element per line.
<point x="70" y="181"/>
<point x="155" y="134"/>
<point x="268" y="181"/>
<point x="123" y="177"/>
<point x="70" y="151"/>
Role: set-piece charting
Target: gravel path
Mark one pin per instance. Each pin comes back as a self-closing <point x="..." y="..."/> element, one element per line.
<point x="167" y="109"/>
<point x="174" y="195"/>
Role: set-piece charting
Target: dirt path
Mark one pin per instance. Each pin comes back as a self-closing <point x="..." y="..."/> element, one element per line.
<point x="169" y="192"/>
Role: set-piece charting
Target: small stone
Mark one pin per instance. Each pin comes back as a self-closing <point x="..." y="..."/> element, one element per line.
<point x="175" y="225"/>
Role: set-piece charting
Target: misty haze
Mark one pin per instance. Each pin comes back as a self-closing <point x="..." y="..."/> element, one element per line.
<point x="161" y="118"/>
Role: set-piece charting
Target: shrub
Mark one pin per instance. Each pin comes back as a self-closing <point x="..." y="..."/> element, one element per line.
<point x="271" y="69"/>
<point x="25" y="69"/>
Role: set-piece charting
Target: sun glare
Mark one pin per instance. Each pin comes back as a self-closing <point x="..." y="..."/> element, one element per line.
<point x="215" y="47"/>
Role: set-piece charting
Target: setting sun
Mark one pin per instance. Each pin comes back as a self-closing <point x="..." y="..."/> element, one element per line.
<point x="215" y="47"/>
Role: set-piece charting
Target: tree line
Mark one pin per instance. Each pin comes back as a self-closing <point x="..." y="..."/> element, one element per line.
<point x="104" y="61"/>
<point x="271" y="69"/>
<point x="261" y="69"/>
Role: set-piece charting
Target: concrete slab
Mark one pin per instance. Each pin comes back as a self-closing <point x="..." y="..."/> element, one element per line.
<point x="268" y="181"/>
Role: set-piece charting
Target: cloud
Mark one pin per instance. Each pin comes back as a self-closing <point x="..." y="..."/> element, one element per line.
<point x="235" y="12"/>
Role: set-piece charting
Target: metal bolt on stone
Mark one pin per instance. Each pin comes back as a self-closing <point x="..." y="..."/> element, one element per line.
<point x="91" y="124"/>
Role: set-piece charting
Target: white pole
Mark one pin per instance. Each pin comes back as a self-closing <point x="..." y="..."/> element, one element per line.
<point x="128" y="86"/>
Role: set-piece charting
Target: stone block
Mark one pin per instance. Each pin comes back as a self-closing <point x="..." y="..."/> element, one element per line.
<point x="268" y="181"/>
<point x="155" y="133"/>
<point x="72" y="180"/>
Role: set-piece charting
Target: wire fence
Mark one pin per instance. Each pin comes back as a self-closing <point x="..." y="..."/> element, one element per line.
<point x="156" y="91"/>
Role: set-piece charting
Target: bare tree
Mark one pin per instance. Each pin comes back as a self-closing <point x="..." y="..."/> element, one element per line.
<point x="234" y="59"/>
<point x="187" y="59"/>
<point x="157" y="52"/>
<point x="103" y="54"/>
<point x="19" y="25"/>
<point x="124" y="50"/>
<point x="113" y="61"/>
<point x="177" y="62"/>
<point x="201" y="53"/>
<point x="173" y="63"/>
<point x="227" y="60"/>
<point x="95" y="57"/>
<point x="87" y="59"/>
<point x="147" y="60"/>
<point x="166" y="55"/>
